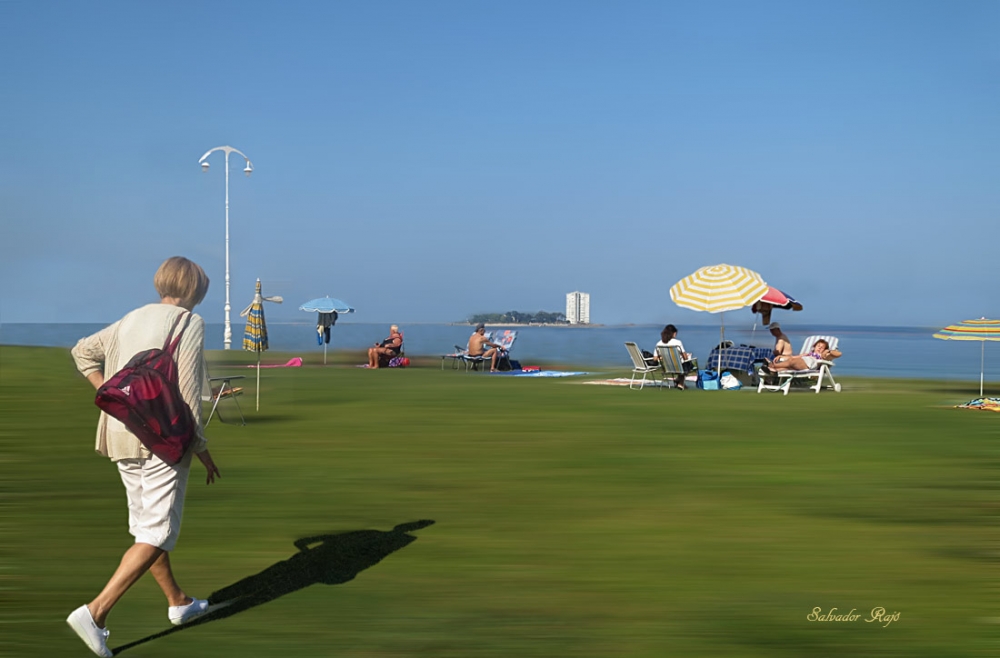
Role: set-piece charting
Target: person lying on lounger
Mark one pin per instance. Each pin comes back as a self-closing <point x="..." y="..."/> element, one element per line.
<point x="820" y="352"/>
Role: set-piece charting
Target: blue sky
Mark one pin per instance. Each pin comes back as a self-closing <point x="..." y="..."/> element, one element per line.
<point x="429" y="160"/>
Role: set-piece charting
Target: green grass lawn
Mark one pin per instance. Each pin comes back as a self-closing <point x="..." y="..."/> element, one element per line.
<point x="569" y="520"/>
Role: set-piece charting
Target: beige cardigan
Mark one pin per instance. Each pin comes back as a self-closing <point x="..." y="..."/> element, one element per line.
<point x="113" y="347"/>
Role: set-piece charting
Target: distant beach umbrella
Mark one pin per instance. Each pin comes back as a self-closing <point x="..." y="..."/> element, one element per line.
<point x="328" y="308"/>
<point x="717" y="289"/>
<point x="327" y="305"/>
<point x="255" y="334"/>
<point x="981" y="330"/>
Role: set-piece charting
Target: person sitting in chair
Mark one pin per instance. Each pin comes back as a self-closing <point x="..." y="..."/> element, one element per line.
<point x="478" y="344"/>
<point x="668" y="338"/>
<point x="387" y="349"/>
<point x="820" y="351"/>
<point x="782" y="346"/>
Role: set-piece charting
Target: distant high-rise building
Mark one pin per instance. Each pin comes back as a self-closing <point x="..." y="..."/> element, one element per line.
<point x="578" y="308"/>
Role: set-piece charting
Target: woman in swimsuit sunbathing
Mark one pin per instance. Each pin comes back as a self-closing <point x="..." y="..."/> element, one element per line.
<point x="820" y="351"/>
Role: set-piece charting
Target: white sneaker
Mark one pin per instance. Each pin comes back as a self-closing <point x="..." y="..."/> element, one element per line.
<point x="182" y="614"/>
<point x="81" y="621"/>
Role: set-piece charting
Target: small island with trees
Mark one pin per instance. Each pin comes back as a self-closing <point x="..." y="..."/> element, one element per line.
<point x="519" y="317"/>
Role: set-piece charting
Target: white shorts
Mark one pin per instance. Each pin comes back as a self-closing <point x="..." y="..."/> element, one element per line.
<point x="811" y="362"/>
<point x="155" y="493"/>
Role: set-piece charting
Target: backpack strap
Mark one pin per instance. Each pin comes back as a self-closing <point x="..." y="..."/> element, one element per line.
<point x="169" y="346"/>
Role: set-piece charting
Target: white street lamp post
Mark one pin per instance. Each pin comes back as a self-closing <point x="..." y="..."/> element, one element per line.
<point x="227" y="337"/>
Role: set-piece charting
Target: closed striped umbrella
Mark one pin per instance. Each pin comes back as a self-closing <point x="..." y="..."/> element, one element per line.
<point x="255" y="335"/>
<point x="981" y="330"/>
<point x="717" y="289"/>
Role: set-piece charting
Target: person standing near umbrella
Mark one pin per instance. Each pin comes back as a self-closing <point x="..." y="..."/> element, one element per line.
<point x="154" y="488"/>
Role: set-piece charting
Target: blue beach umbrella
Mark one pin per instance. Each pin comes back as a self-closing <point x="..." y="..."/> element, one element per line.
<point x="327" y="305"/>
<point x="328" y="308"/>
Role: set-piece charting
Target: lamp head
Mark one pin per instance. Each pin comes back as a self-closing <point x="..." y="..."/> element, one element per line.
<point x="204" y="166"/>
<point x="248" y="170"/>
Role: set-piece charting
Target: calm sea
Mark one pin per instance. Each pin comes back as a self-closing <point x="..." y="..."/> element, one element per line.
<point x="868" y="351"/>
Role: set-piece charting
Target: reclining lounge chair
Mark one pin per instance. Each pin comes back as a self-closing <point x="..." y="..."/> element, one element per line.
<point x="786" y="377"/>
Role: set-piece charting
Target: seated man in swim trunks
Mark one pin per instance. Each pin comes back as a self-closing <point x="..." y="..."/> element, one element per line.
<point x="782" y="346"/>
<point x="388" y="348"/>
<point x="478" y="344"/>
<point x="820" y="351"/>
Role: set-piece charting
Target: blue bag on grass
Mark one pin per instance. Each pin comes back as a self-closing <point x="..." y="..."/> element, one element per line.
<point x="708" y="380"/>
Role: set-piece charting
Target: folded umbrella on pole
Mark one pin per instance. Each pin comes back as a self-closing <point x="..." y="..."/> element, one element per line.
<point x="255" y="335"/>
<point x="981" y="330"/>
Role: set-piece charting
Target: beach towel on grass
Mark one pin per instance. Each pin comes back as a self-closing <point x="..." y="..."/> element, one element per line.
<point x="538" y="373"/>
<point x="294" y="362"/>
<point x="982" y="404"/>
<point x="623" y="381"/>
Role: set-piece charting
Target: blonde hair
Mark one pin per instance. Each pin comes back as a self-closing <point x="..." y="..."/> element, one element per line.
<point x="178" y="277"/>
<point x="394" y="327"/>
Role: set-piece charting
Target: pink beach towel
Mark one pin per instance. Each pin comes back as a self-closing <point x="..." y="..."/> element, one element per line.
<point x="294" y="362"/>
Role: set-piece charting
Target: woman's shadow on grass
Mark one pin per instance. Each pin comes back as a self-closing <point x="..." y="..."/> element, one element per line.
<point x="327" y="559"/>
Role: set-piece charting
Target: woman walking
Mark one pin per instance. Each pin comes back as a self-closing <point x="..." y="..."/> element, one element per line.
<point x="155" y="489"/>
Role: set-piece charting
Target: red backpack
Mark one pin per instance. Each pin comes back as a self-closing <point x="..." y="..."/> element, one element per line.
<point x="146" y="398"/>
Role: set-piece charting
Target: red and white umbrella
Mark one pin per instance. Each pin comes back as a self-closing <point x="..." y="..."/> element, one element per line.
<point x="773" y="299"/>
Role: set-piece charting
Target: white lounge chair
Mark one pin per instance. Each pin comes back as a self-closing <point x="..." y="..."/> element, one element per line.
<point x="786" y="377"/>
<point x="640" y="365"/>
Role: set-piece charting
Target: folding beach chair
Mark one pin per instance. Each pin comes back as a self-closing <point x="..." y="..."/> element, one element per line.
<point x="505" y="339"/>
<point x="640" y="366"/>
<point x="226" y="390"/>
<point x="672" y="363"/>
<point x="386" y="360"/>
<point x="461" y="355"/>
<point x="787" y="377"/>
<point x="456" y="357"/>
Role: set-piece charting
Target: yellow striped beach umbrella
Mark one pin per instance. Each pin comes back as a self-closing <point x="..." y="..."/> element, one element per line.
<point x="981" y="330"/>
<point x="255" y="334"/>
<point x="717" y="289"/>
